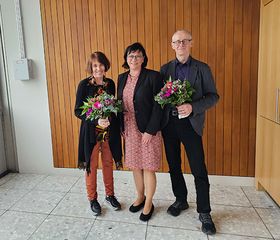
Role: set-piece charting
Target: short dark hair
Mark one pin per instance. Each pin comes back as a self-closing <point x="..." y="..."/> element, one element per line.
<point x="133" y="48"/>
<point x="100" y="57"/>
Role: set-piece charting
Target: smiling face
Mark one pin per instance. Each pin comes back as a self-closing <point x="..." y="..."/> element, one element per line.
<point x="98" y="69"/>
<point x="135" y="60"/>
<point x="182" y="43"/>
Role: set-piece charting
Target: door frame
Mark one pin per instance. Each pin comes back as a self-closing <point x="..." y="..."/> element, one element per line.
<point x="7" y="122"/>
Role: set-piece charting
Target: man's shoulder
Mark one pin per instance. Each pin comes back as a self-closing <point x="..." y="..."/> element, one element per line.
<point x="166" y="65"/>
<point x="199" y="63"/>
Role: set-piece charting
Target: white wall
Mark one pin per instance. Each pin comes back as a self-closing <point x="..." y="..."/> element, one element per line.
<point x="29" y="98"/>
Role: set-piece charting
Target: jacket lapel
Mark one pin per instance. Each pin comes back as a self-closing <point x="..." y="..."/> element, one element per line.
<point x="140" y="80"/>
<point x="193" y="73"/>
<point x="171" y="70"/>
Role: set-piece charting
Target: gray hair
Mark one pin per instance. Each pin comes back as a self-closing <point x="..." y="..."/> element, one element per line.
<point x="184" y="31"/>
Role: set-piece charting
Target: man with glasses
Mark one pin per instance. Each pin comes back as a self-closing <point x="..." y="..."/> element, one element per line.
<point x="189" y="129"/>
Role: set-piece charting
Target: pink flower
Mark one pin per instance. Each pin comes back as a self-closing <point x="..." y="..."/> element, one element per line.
<point x="97" y="105"/>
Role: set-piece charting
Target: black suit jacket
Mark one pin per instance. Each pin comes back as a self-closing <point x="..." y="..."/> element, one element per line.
<point x="148" y="113"/>
<point x="205" y="95"/>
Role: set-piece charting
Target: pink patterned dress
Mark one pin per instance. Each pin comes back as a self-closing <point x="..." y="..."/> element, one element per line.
<point x="138" y="155"/>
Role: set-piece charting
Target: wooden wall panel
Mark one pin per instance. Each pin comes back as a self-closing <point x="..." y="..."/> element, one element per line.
<point x="225" y="35"/>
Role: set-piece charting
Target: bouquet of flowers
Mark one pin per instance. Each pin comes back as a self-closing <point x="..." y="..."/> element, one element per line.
<point x="101" y="107"/>
<point x="175" y="93"/>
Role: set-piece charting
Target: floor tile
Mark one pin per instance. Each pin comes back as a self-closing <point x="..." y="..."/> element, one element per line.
<point x="124" y="187"/>
<point x="7" y="178"/>
<point x="271" y="218"/>
<point x="188" y="219"/>
<point x="163" y="233"/>
<point x="19" y="225"/>
<point x="24" y="181"/>
<point x="38" y="201"/>
<point x="8" y="197"/>
<point x="2" y="211"/>
<point x="57" y="183"/>
<point x="239" y="221"/>
<point x="219" y="236"/>
<point x="75" y="205"/>
<point x="57" y="227"/>
<point x="228" y="195"/>
<point x="123" y="215"/>
<point x="259" y="198"/>
<point x="117" y="230"/>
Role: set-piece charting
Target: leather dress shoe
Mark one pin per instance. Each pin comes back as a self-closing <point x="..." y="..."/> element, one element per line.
<point x="145" y="217"/>
<point x="137" y="208"/>
<point x="176" y="208"/>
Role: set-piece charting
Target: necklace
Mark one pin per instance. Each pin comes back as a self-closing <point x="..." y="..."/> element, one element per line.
<point x="136" y="75"/>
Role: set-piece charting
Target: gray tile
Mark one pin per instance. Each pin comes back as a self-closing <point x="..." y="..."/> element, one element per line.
<point x="163" y="233"/>
<point x="271" y="218"/>
<point x="188" y="219"/>
<point x="117" y="230"/>
<point x="238" y="220"/>
<point x="75" y="205"/>
<point x="8" y="197"/>
<point x="38" y="201"/>
<point x="57" y="183"/>
<point x="7" y="178"/>
<point x="57" y="227"/>
<point x="19" y="225"/>
<point x="259" y="198"/>
<point x="123" y="215"/>
<point x="124" y="187"/>
<point x="234" y="237"/>
<point x="2" y="211"/>
<point x="24" y="181"/>
<point x="228" y="195"/>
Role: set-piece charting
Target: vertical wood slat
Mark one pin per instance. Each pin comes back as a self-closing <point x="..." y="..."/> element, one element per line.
<point x="225" y="35"/>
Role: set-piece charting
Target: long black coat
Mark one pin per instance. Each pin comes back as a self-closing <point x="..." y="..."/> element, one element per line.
<point x="148" y="113"/>
<point x="87" y="139"/>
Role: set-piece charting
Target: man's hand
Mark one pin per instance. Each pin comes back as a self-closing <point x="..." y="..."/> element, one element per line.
<point x="185" y="109"/>
<point x="146" y="138"/>
<point x="103" y="122"/>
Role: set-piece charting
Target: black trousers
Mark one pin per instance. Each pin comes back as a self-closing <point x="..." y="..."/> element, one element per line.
<point x="177" y="131"/>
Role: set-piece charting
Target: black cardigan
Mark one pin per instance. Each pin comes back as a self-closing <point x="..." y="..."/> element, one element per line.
<point x="87" y="139"/>
<point x="148" y="113"/>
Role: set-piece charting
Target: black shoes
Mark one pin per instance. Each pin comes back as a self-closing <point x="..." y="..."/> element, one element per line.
<point x="137" y="208"/>
<point x="95" y="207"/>
<point x="113" y="202"/>
<point x="208" y="226"/>
<point x="145" y="217"/>
<point x="176" y="208"/>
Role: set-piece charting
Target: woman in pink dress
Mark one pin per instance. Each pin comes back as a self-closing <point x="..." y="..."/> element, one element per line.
<point x="140" y="123"/>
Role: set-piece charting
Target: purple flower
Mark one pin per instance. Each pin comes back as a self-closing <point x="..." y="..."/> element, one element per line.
<point x="89" y="111"/>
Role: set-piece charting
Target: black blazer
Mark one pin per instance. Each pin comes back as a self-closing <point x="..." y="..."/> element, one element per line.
<point x="148" y="112"/>
<point x="87" y="139"/>
<point x="205" y="95"/>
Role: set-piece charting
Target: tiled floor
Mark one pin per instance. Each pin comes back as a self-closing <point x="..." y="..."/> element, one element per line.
<point x="55" y="207"/>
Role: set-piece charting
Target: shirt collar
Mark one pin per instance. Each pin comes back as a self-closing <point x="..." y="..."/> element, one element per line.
<point x="187" y="63"/>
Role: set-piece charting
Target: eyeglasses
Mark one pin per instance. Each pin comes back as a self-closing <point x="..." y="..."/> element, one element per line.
<point x="136" y="57"/>
<point x="184" y="42"/>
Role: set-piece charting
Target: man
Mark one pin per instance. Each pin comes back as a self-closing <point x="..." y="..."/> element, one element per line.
<point x="189" y="129"/>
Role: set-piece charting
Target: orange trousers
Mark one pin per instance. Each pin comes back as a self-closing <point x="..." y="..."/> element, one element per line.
<point x="107" y="170"/>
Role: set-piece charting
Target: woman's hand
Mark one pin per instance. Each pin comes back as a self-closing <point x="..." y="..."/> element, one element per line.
<point x="146" y="138"/>
<point x="103" y="122"/>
